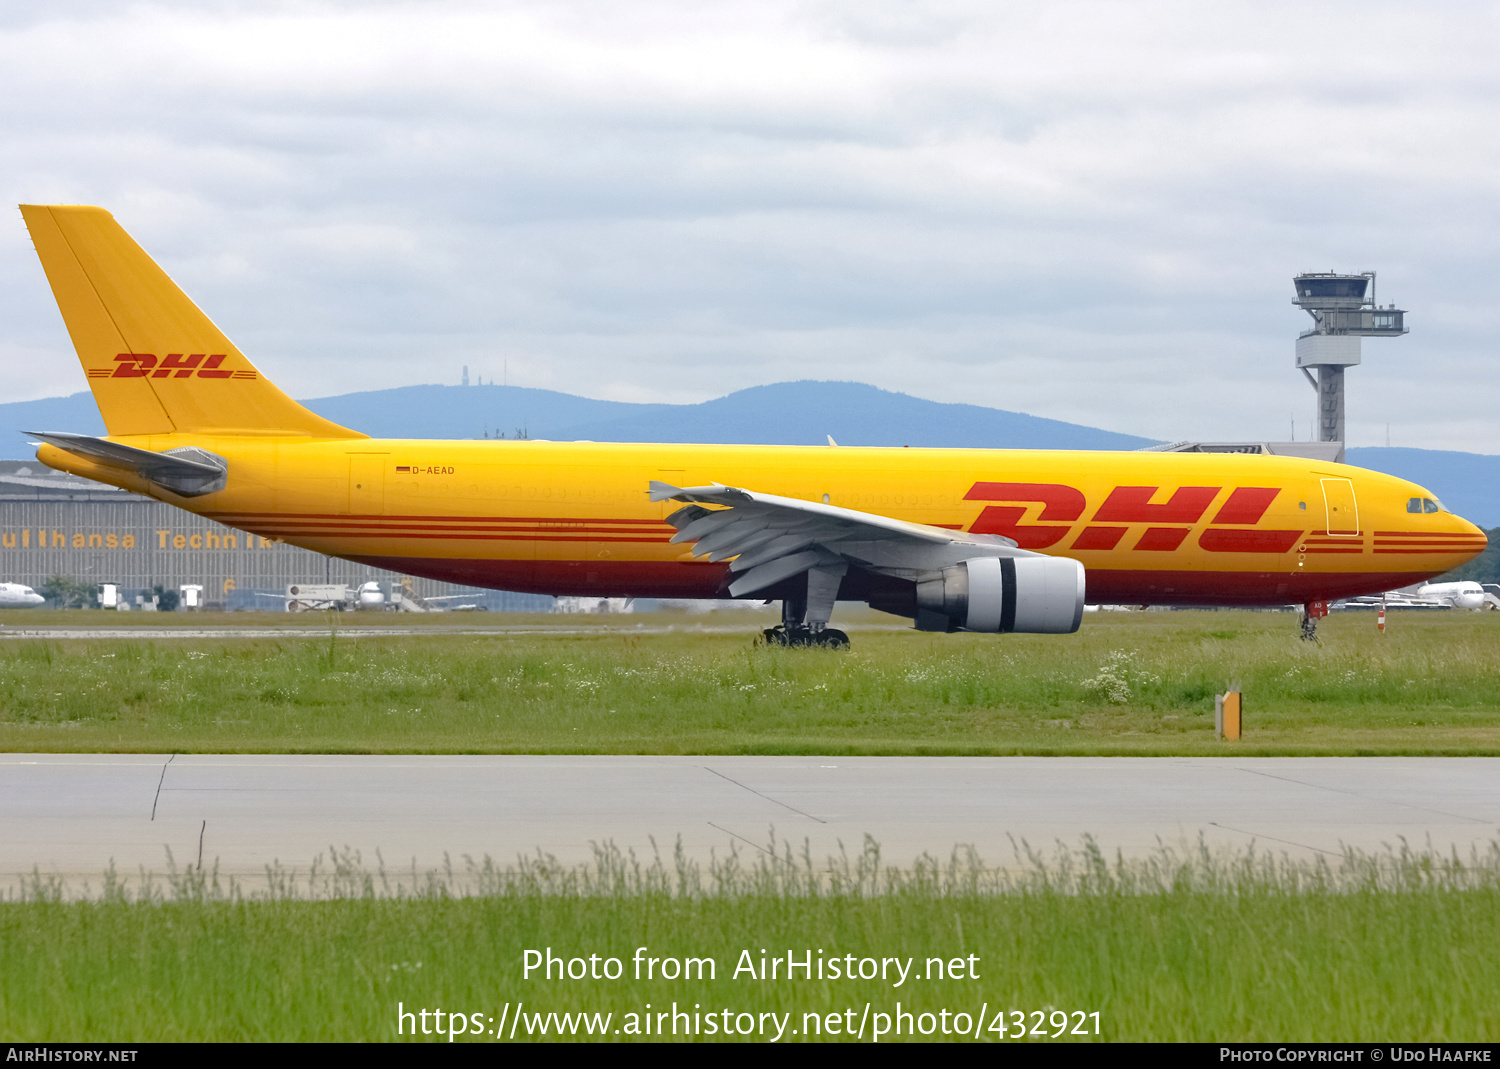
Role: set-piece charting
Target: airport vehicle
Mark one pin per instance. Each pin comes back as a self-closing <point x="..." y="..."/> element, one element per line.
<point x="971" y="539"/>
<point x="313" y="597"/>
<point x="18" y="596"/>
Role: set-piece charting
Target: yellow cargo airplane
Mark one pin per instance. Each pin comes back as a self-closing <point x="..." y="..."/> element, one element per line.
<point x="971" y="539"/>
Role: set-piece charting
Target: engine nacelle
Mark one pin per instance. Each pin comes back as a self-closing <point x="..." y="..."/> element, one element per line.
<point x="1031" y="595"/>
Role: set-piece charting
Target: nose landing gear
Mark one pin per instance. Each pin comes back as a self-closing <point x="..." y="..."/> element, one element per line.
<point x="1312" y="612"/>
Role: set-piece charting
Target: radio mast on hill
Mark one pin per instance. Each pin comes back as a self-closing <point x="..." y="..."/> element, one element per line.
<point x="1343" y="309"/>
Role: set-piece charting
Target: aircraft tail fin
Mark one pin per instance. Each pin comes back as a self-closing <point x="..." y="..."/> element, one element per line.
<point x="155" y="362"/>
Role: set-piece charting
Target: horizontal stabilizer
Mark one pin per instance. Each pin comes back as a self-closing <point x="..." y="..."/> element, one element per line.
<point x="186" y="472"/>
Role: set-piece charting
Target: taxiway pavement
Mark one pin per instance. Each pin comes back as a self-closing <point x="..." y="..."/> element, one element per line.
<point x="73" y="814"/>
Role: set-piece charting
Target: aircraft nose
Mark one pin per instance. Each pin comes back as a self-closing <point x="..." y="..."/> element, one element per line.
<point x="1470" y="537"/>
<point x="1471" y="529"/>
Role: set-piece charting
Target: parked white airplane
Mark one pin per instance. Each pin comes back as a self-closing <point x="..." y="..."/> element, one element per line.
<point x="17" y="596"/>
<point x="1462" y="595"/>
<point x="372" y="595"/>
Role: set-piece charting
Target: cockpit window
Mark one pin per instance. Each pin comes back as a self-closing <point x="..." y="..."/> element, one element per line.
<point x="1423" y="504"/>
<point x="1414" y="504"/>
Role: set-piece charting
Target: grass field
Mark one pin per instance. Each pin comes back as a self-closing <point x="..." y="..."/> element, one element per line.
<point x="1128" y="683"/>
<point x="1171" y="948"/>
<point x="1176" y="947"/>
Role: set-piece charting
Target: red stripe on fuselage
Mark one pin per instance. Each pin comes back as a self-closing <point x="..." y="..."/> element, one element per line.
<point x="691" y="579"/>
<point x="230" y="517"/>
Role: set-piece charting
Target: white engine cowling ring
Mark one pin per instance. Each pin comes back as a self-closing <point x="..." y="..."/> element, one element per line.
<point x="1026" y="595"/>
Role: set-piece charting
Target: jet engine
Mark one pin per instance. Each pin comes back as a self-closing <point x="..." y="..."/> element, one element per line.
<point x="1032" y="595"/>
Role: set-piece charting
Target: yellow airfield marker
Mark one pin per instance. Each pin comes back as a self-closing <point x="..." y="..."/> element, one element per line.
<point x="1227" y="713"/>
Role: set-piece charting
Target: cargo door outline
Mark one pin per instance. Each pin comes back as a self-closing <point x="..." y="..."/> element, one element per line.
<point x="1340" y="508"/>
<point x="367" y="483"/>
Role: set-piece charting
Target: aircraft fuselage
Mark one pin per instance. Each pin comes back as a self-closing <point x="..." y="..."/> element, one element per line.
<point x="573" y="518"/>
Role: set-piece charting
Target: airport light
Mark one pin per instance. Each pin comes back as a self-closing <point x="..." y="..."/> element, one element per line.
<point x="1343" y="309"/>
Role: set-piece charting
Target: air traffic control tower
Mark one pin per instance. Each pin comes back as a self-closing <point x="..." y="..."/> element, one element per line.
<point x="1343" y="309"/>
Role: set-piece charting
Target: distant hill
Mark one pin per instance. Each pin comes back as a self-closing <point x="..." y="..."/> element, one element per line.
<point x="791" y="413"/>
<point x="76" y="413"/>
<point x="1467" y="483"/>
<point x="788" y="413"/>
<point x="470" y="411"/>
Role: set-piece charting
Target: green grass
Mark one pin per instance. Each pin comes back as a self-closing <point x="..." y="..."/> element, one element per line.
<point x="1394" y="948"/>
<point x="1136" y="683"/>
<point x="1171" y="948"/>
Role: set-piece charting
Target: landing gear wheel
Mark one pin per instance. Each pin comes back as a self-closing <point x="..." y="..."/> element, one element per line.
<point x="829" y="637"/>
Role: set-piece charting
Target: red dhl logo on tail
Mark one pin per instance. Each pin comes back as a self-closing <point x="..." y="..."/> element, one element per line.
<point x="173" y="365"/>
<point x="1064" y="505"/>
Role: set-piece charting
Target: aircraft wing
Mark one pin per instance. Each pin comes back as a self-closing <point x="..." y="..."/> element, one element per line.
<point x="773" y="538"/>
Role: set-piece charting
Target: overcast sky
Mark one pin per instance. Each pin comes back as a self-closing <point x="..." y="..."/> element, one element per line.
<point x="1087" y="211"/>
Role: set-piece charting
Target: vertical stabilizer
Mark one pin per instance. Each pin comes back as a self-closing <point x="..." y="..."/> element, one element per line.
<point x="156" y="363"/>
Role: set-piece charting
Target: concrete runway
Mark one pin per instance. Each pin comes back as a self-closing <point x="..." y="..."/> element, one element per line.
<point x="71" y="814"/>
<point x="194" y="633"/>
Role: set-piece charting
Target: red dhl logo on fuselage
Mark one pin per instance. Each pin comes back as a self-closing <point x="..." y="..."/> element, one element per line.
<point x="178" y="365"/>
<point x="1063" y="505"/>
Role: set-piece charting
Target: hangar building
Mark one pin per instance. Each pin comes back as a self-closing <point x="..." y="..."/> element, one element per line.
<point x="53" y="523"/>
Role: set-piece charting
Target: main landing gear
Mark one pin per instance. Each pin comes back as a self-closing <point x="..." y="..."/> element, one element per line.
<point x="804" y="616"/>
<point x="1312" y="612"/>
<point x="831" y="637"/>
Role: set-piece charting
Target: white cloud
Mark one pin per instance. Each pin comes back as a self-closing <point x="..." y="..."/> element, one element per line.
<point x="1089" y="211"/>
